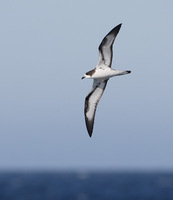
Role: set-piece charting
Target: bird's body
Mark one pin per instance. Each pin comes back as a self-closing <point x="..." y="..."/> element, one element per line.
<point x="101" y="75"/>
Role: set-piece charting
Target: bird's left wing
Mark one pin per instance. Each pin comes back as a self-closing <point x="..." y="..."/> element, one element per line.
<point x="105" y="48"/>
<point x="91" y="102"/>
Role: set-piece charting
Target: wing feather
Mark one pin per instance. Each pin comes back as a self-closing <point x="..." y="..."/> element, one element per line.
<point x="91" y="102"/>
<point x="105" y="48"/>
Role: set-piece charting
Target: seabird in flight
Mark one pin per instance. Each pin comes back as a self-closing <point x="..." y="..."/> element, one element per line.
<point x="100" y="76"/>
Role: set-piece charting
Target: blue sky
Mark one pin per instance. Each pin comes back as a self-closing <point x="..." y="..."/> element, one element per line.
<point x="46" y="47"/>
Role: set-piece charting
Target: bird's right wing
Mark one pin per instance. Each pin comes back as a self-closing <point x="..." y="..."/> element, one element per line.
<point x="91" y="102"/>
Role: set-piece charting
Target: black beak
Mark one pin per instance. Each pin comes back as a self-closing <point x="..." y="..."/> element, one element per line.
<point x="83" y="77"/>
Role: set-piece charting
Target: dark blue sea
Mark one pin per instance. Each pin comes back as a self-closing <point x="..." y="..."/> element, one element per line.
<point x="85" y="186"/>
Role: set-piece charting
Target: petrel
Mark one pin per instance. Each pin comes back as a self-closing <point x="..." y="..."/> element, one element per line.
<point x="100" y="76"/>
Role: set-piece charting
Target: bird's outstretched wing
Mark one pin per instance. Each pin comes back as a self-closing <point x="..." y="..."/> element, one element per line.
<point x="91" y="102"/>
<point x="105" y="48"/>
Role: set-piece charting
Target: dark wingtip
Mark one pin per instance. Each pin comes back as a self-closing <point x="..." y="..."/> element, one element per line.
<point x="90" y="134"/>
<point x="90" y="130"/>
<point x="119" y="25"/>
<point x="116" y="29"/>
<point x="128" y="71"/>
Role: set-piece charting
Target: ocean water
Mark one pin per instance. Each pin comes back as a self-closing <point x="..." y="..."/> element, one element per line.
<point x="85" y="186"/>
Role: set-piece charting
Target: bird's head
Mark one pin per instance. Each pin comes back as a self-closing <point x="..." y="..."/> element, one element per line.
<point x="86" y="76"/>
<point x="83" y="76"/>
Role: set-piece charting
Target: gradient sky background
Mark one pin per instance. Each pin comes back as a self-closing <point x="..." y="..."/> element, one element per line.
<point x="47" y="46"/>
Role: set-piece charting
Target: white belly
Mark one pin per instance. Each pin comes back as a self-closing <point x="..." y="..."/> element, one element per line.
<point x="103" y="73"/>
